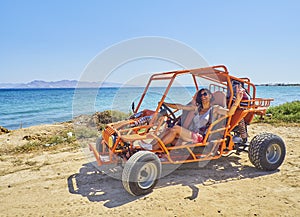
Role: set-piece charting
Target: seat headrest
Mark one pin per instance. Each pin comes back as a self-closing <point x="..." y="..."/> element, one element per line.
<point x="219" y="98"/>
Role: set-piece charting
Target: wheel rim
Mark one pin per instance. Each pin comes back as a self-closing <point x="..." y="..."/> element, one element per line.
<point x="273" y="153"/>
<point x="147" y="175"/>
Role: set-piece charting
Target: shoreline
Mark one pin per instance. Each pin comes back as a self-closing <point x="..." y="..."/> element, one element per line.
<point x="118" y="87"/>
<point x="279" y="85"/>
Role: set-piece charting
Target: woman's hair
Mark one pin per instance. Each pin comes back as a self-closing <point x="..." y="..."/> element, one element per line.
<point x="199" y="99"/>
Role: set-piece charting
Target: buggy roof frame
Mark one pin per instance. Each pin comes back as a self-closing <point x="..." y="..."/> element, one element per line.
<point x="218" y="74"/>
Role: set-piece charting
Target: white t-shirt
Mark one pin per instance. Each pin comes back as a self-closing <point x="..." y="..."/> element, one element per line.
<point x="200" y="121"/>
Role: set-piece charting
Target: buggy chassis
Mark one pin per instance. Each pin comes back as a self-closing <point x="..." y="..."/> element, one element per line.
<point x="122" y="142"/>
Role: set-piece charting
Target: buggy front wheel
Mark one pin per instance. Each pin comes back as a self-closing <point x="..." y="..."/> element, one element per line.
<point x="267" y="151"/>
<point x="141" y="173"/>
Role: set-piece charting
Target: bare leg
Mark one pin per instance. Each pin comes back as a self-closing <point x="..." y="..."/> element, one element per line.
<point x="173" y="133"/>
<point x="163" y="136"/>
<point x="184" y="134"/>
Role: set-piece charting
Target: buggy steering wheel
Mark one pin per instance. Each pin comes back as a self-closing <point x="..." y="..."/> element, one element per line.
<point x="170" y="114"/>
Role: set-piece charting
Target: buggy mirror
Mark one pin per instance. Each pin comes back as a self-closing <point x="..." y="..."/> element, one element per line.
<point x="132" y="107"/>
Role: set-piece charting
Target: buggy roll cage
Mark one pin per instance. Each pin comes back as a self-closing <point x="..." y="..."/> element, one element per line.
<point x="218" y="146"/>
<point x="218" y="74"/>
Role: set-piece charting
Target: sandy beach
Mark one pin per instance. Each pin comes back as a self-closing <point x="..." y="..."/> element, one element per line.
<point x="63" y="182"/>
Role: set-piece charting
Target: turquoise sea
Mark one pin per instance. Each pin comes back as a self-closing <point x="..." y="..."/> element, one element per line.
<point x="28" y="107"/>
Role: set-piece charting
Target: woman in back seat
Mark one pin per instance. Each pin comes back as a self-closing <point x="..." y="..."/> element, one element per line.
<point x="195" y="132"/>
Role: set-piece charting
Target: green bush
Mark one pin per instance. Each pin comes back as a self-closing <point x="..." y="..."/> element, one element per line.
<point x="108" y="116"/>
<point x="28" y="147"/>
<point x="84" y="132"/>
<point x="47" y="142"/>
<point x="287" y="112"/>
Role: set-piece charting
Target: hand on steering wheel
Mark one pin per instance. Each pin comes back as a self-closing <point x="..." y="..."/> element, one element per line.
<point x="170" y="114"/>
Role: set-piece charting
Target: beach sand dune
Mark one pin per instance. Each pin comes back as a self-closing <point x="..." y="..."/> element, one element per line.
<point x="65" y="183"/>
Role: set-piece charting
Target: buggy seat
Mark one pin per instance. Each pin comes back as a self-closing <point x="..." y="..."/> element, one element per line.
<point x="219" y="98"/>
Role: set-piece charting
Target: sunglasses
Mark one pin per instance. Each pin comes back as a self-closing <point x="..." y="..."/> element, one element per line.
<point x="203" y="94"/>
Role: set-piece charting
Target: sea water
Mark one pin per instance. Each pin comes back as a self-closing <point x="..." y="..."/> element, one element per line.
<point x="28" y="107"/>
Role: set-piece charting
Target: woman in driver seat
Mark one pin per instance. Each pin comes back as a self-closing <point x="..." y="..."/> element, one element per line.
<point x="202" y="108"/>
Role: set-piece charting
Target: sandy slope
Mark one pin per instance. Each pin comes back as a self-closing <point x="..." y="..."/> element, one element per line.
<point x="66" y="184"/>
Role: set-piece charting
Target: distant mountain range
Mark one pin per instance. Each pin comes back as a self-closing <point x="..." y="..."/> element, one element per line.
<point x="59" y="84"/>
<point x="75" y="83"/>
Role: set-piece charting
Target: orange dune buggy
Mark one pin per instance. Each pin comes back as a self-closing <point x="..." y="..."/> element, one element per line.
<point x="128" y="142"/>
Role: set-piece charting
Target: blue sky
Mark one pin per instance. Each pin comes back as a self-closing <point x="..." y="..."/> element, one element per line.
<point x="55" y="40"/>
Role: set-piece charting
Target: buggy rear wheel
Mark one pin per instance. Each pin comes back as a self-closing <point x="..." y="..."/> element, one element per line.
<point x="267" y="151"/>
<point x="141" y="173"/>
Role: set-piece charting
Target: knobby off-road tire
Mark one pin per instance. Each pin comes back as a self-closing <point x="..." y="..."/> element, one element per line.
<point x="141" y="173"/>
<point x="267" y="151"/>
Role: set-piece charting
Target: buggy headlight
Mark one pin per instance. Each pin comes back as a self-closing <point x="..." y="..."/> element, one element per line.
<point x="111" y="141"/>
